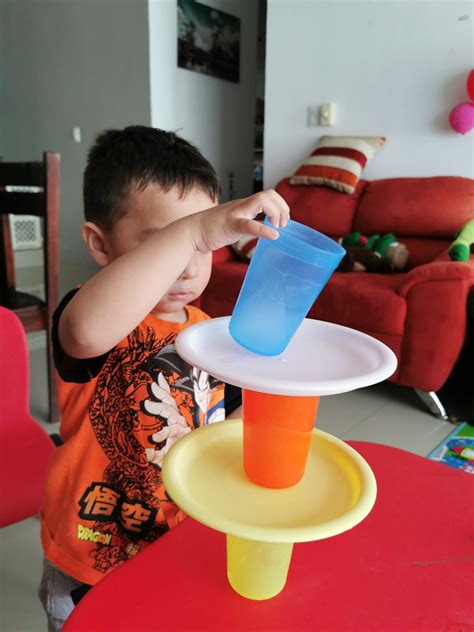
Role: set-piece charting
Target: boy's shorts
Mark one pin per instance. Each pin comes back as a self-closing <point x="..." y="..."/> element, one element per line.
<point x="59" y="593"/>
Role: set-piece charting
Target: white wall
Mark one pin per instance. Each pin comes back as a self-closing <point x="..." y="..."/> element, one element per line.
<point x="393" y="68"/>
<point x="216" y="115"/>
<point x="72" y="62"/>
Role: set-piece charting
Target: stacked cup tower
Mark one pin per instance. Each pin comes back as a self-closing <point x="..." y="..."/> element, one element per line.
<point x="272" y="479"/>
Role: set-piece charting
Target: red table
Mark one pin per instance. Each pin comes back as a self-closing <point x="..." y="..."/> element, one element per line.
<point x="409" y="567"/>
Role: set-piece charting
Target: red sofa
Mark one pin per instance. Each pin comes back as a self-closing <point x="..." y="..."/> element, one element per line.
<point x="421" y="313"/>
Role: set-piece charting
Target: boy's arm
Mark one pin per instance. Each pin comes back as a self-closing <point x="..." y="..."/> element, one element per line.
<point x="109" y="306"/>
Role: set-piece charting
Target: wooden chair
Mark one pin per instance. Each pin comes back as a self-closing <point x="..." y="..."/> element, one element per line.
<point x="32" y="188"/>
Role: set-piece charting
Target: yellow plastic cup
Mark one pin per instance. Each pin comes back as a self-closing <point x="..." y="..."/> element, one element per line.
<point x="257" y="570"/>
<point x="203" y="474"/>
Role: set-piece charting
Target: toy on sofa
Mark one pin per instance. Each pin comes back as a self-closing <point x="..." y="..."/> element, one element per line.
<point x="373" y="254"/>
<point x="359" y="259"/>
<point x="463" y="244"/>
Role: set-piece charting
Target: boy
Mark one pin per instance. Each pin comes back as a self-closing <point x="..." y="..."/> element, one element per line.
<point x="152" y="222"/>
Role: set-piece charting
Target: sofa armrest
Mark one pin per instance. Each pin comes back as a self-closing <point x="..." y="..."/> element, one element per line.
<point x="435" y="324"/>
<point x="438" y="271"/>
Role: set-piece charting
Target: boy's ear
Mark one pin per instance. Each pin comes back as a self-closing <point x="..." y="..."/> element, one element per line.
<point x="96" y="243"/>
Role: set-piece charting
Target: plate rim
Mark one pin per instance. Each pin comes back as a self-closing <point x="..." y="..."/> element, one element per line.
<point x="350" y="519"/>
<point x="277" y="386"/>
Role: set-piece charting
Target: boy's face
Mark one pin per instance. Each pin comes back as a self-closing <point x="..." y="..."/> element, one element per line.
<point x="148" y="211"/>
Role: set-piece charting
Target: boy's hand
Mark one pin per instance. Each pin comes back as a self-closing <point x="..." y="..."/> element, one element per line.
<point x="223" y="225"/>
<point x="111" y="304"/>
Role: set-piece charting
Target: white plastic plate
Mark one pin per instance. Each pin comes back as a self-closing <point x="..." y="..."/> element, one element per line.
<point x="322" y="359"/>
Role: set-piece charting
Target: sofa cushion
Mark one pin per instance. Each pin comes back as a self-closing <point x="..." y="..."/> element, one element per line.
<point x="363" y="301"/>
<point x="417" y="207"/>
<point x="320" y="208"/>
<point x="223" y="254"/>
<point x="421" y="251"/>
<point x="223" y="289"/>
<point x="338" y="161"/>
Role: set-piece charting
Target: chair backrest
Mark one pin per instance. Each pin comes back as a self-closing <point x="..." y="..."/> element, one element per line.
<point x="30" y="188"/>
<point x="14" y="370"/>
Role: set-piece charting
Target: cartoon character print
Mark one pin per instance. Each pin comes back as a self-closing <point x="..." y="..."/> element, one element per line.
<point x="162" y="405"/>
<point x="179" y="391"/>
<point x="146" y="399"/>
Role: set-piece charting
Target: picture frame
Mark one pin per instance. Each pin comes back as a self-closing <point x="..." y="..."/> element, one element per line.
<point x="208" y="41"/>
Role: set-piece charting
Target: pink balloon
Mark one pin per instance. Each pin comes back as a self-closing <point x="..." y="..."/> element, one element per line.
<point x="470" y="85"/>
<point x="461" y="118"/>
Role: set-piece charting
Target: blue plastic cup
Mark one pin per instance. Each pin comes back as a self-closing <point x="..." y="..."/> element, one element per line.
<point x="284" y="278"/>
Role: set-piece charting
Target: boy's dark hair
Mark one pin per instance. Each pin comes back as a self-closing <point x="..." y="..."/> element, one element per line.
<point x="138" y="156"/>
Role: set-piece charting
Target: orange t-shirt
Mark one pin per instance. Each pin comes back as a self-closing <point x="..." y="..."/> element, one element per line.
<point x="105" y="500"/>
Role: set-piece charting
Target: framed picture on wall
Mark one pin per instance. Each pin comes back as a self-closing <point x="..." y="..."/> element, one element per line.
<point x="208" y="41"/>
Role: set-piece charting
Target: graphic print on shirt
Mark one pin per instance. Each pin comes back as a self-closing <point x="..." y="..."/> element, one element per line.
<point x="146" y="398"/>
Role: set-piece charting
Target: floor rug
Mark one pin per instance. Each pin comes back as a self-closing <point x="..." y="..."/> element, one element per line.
<point x="457" y="450"/>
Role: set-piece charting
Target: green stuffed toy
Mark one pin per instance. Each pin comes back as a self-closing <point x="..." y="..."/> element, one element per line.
<point x="373" y="254"/>
<point x="353" y="240"/>
<point x="460" y="248"/>
<point x="389" y="248"/>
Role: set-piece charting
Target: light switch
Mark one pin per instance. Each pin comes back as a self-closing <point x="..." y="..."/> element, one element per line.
<point x="76" y="134"/>
<point x="327" y="114"/>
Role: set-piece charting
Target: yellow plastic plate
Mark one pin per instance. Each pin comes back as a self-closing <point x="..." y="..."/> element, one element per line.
<point x="203" y="474"/>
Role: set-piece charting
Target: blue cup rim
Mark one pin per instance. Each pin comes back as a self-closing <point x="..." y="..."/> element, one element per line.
<point x="308" y="244"/>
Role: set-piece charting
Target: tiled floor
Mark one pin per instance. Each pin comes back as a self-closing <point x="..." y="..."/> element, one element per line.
<point x="384" y="413"/>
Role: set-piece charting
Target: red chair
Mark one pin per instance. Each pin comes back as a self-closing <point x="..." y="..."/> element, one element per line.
<point x="25" y="448"/>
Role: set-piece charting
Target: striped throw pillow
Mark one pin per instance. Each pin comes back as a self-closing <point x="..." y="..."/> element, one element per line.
<point x="245" y="247"/>
<point x="337" y="162"/>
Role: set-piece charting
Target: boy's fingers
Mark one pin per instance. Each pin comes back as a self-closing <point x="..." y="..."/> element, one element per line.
<point x="275" y="207"/>
<point x="279" y="200"/>
<point x="257" y="229"/>
<point x="284" y="209"/>
<point x="276" y="197"/>
<point x="273" y="214"/>
<point x="268" y="207"/>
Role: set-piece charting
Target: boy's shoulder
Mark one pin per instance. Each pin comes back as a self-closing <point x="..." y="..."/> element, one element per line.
<point x="82" y="371"/>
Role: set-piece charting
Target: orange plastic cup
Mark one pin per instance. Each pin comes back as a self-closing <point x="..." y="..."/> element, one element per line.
<point x="277" y="435"/>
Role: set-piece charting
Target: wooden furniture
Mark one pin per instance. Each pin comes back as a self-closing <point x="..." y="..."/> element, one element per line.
<point x="25" y="448"/>
<point x="32" y="188"/>
<point x="407" y="566"/>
